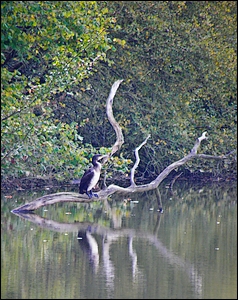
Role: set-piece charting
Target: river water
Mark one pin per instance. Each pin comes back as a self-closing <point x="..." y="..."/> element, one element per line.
<point x="123" y="248"/>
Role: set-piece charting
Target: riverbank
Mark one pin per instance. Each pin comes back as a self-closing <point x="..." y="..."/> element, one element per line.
<point x="122" y="180"/>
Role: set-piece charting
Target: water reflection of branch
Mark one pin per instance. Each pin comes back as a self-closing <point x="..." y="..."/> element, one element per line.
<point x="136" y="273"/>
<point x="159" y="200"/>
<point x="108" y="266"/>
<point x="157" y="225"/>
<point x="111" y="235"/>
<point x="173" y="259"/>
<point x="89" y="245"/>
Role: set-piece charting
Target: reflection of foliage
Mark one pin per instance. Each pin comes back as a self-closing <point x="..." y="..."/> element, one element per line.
<point x="188" y="229"/>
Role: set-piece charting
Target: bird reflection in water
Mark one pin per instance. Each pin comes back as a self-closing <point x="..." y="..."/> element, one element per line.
<point x="89" y="246"/>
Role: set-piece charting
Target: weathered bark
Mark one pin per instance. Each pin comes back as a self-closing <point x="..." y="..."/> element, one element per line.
<point x="74" y="197"/>
<point x="115" y="125"/>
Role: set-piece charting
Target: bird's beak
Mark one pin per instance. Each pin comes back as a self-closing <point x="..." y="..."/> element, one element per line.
<point x="104" y="158"/>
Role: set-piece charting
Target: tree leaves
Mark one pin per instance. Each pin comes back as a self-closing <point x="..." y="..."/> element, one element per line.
<point x="59" y="59"/>
<point x="48" y="48"/>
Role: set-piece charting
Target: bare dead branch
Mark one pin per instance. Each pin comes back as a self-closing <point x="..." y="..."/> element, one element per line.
<point x="52" y="199"/>
<point x="206" y="156"/>
<point x="103" y="194"/>
<point x="173" y="181"/>
<point x="198" y="141"/>
<point x="115" y="125"/>
<point x="73" y="197"/>
<point x="137" y="161"/>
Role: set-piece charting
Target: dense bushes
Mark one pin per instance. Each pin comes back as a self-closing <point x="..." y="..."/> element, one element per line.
<point x="59" y="60"/>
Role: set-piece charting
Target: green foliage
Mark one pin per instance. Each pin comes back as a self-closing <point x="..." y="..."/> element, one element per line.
<point x="47" y="47"/>
<point x="59" y="60"/>
<point x="179" y="71"/>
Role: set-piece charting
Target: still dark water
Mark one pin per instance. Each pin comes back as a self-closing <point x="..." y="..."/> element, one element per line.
<point x="123" y="248"/>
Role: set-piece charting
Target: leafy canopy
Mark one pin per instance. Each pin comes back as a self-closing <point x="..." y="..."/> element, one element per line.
<point x="47" y="47"/>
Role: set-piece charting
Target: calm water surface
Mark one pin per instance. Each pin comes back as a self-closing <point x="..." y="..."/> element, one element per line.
<point x="123" y="248"/>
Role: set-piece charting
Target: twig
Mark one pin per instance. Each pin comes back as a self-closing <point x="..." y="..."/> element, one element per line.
<point x="173" y="181"/>
<point x="137" y="161"/>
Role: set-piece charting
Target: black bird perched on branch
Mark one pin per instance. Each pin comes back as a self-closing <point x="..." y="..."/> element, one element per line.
<point x="91" y="176"/>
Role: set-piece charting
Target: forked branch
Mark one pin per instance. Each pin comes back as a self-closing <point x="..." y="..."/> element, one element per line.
<point x="74" y="197"/>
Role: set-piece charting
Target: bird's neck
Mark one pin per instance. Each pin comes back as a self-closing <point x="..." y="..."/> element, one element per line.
<point x="97" y="166"/>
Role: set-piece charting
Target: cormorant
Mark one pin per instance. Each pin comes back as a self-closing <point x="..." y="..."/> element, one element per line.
<point x="91" y="176"/>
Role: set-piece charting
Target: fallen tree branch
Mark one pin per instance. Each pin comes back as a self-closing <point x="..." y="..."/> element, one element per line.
<point x="52" y="199"/>
<point x="74" y="197"/>
<point x="155" y="183"/>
